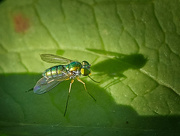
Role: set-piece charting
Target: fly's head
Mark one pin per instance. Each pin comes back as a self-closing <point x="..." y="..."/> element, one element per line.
<point x="85" y="70"/>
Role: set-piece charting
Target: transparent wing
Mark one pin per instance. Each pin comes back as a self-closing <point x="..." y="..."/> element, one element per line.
<point x="50" y="58"/>
<point x="44" y="84"/>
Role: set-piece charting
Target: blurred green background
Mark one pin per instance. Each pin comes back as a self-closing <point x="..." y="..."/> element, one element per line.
<point x="133" y="47"/>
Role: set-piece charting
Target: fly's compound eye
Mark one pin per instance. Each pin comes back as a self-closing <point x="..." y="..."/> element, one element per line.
<point x="85" y="64"/>
<point x="85" y="71"/>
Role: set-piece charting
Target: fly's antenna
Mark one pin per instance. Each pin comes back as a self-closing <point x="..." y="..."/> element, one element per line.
<point x="93" y="80"/>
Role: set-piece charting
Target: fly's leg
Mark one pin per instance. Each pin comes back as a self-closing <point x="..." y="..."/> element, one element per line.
<point x="68" y="96"/>
<point x="85" y="87"/>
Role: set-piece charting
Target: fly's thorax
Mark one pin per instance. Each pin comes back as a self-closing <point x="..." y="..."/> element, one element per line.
<point x="74" y="69"/>
<point x="54" y="71"/>
<point x="74" y="74"/>
<point x="74" y="66"/>
<point x="85" y="70"/>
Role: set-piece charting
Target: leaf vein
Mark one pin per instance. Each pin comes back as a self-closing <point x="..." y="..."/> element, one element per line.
<point x="160" y="82"/>
<point x="45" y="27"/>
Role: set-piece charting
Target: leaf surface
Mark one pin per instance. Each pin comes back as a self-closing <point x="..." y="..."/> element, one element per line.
<point x="133" y="47"/>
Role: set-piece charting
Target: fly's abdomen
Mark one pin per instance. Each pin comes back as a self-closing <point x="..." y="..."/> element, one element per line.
<point x="54" y="71"/>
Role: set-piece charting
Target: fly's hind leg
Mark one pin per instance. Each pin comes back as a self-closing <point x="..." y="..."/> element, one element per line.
<point x="68" y="96"/>
<point x="85" y="87"/>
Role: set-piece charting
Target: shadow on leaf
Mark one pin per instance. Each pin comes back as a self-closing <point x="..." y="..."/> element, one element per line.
<point x="36" y="114"/>
<point x="116" y="64"/>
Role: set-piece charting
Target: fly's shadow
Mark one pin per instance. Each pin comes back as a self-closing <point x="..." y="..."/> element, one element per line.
<point x="116" y="64"/>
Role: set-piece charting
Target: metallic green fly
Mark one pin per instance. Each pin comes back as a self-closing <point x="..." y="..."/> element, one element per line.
<point x="68" y="70"/>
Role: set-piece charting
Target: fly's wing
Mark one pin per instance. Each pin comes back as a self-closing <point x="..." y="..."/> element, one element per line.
<point x="50" y="58"/>
<point x="44" y="84"/>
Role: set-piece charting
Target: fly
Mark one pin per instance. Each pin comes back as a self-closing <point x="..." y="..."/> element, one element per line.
<point x="69" y="70"/>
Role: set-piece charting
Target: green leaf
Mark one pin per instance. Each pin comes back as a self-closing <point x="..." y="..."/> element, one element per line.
<point x="133" y="47"/>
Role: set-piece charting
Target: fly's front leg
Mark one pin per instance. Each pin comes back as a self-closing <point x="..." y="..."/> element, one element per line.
<point x="68" y="96"/>
<point x="85" y="87"/>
